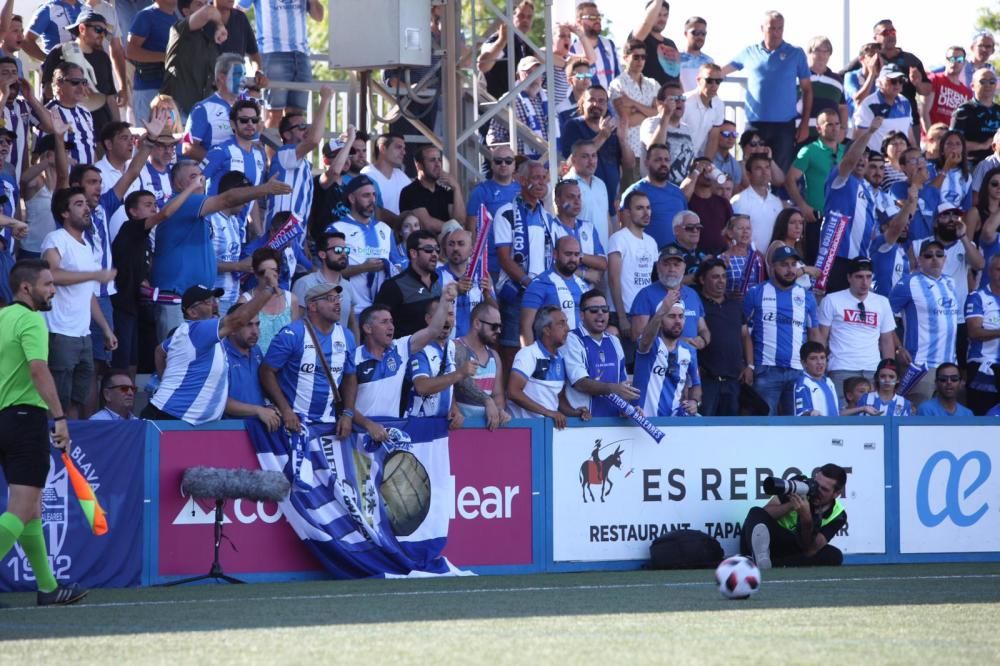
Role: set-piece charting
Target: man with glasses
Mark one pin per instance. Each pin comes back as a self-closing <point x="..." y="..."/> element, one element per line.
<point x="719" y="148"/>
<point x="482" y="395"/>
<point x="666" y="367"/>
<point x="87" y="50"/>
<point x="982" y="48"/>
<point x="929" y="305"/>
<point x="208" y="124"/>
<point x="947" y="385"/>
<point x="607" y="67"/>
<point x="949" y="90"/>
<point x="69" y="91"/>
<point x="889" y="104"/>
<point x="827" y="87"/>
<point x="408" y="293"/>
<point x="435" y="196"/>
<point x="240" y="153"/>
<point x="662" y="62"/>
<point x="332" y="254"/>
<point x="498" y="191"/>
<point x="558" y="286"/>
<point x="118" y="391"/>
<point x="692" y="57"/>
<point x="979" y="118"/>
<point x="704" y="109"/>
<point x="857" y="326"/>
<point x="595" y="360"/>
<point x="687" y="239"/>
<point x="668" y="127"/>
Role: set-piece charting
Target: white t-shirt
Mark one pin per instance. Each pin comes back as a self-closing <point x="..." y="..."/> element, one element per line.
<point x="700" y="119"/>
<point x="594" y="199"/>
<point x="70" y="313"/>
<point x="854" y="334"/>
<point x="638" y="257"/>
<point x="390" y="188"/>
<point x="762" y="213"/>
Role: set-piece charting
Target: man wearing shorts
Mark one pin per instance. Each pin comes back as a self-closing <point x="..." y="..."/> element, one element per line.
<point x="26" y="392"/>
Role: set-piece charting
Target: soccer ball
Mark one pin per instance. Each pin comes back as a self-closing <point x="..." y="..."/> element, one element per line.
<point x="738" y="577"/>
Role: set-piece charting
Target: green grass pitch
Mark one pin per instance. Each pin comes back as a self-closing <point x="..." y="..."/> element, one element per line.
<point x="903" y="614"/>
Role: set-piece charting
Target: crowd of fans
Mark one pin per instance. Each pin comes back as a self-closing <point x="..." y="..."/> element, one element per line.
<point x="844" y="242"/>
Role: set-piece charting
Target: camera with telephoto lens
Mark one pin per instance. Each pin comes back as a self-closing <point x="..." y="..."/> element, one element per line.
<point x="797" y="485"/>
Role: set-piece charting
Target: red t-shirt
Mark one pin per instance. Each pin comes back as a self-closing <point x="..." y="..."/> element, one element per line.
<point x="948" y="96"/>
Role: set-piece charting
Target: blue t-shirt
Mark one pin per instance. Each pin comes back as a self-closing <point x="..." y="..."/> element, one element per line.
<point x="662" y="376"/>
<point x="244" y="382"/>
<point x="50" y="21"/>
<point x="552" y="288"/>
<point x="772" y="80"/>
<point x="933" y="407"/>
<point x="665" y="203"/>
<point x="154" y="25"/>
<point x="648" y="300"/>
<point x="494" y="195"/>
<point x="609" y="156"/>
<point x="184" y="255"/>
<point x="819" y="395"/>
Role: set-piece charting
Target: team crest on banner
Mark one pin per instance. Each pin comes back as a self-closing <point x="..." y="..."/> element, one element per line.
<point x="366" y="508"/>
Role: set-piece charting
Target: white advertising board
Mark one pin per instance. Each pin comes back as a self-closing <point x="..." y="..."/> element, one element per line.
<point x="949" y="489"/>
<point x="703" y="478"/>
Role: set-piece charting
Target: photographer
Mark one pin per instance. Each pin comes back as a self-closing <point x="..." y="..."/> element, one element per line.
<point x="795" y="528"/>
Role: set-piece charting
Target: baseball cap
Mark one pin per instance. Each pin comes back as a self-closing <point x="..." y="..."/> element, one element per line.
<point x="48" y="142"/>
<point x="890" y="71"/>
<point x="784" y="252"/>
<point x="9" y="132"/>
<point x="320" y="290"/>
<point x="929" y="243"/>
<point x="527" y="62"/>
<point x="199" y="293"/>
<point x="672" y="252"/>
<point x="356" y="183"/>
<point x="859" y="264"/>
<point x="331" y="147"/>
<point x="86" y="16"/>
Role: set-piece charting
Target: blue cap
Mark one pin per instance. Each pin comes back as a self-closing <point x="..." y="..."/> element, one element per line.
<point x="784" y="252"/>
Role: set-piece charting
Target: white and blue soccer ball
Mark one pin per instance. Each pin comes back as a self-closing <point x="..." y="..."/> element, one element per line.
<point x="738" y="577"/>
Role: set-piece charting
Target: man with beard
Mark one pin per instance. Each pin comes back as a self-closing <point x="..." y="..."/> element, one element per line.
<point x="777" y="315"/>
<point x="666" y="367"/>
<point x="962" y="256"/>
<point x="609" y="136"/>
<point x="668" y="126"/>
<point x="372" y="245"/>
<point x="408" y="293"/>
<point x="435" y="196"/>
<point x="595" y="360"/>
<point x="458" y="253"/>
<point x="246" y="396"/>
<point x="814" y="163"/>
<point x="559" y="286"/>
<point x="482" y="395"/>
<point x="27" y="391"/>
<point x="721" y="362"/>
<point x="665" y="198"/>
<point x="693" y="58"/>
<point x="631" y="255"/>
<point x="494" y="193"/>
<point x="241" y="152"/>
<point x="77" y="272"/>
<point x="663" y="63"/>
<point x="669" y="275"/>
<point x="333" y="255"/>
<point x="979" y="118"/>
<point x="531" y="109"/>
<point x="492" y="61"/>
<point x="593" y="260"/>
<point x="433" y="372"/>
<point x="607" y="67"/>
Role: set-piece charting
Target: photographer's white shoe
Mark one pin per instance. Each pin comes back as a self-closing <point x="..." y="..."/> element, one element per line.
<point x="760" y="543"/>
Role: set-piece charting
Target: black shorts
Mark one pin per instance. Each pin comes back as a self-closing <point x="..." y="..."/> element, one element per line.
<point x="24" y="445"/>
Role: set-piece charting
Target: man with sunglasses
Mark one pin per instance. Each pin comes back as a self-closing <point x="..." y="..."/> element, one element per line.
<point x="332" y="253"/>
<point x="408" y="293"/>
<point x="979" y="118"/>
<point x="208" y="125"/>
<point x="692" y="57"/>
<point x="70" y="89"/>
<point x="482" y="395"/>
<point x="704" y="110"/>
<point x="663" y="63"/>
<point x="949" y="90"/>
<point x="928" y="302"/>
<point x="607" y="66"/>
<point x="719" y="148"/>
<point x="87" y="50"/>
<point x="240" y="153"/>
<point x="498" y="191"/>
<point x="118" y="391"/>
<point x="888" y="103"/>
<point x="947" y="385"/>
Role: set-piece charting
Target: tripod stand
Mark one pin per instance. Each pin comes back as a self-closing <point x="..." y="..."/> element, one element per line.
<point x="216" y="570"/>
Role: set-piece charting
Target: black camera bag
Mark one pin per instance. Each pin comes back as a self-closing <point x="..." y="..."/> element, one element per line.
<point x="685" y="549"/>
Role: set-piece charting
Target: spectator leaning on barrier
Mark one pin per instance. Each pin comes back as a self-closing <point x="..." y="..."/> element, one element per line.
<point x="721" y="361"/>
<point x="982" y="317"/>
<point x="884" y="401"/>
<point x="947" y="385"/>
<point x="795" y="530"/>
<point x="666" y="367"/>
<point x="815" y="394"/>
<point x="538" y="379"/>
<point x="482" y="394"/>
<point x="246" y="396"/>
<point x="118" y="392"/>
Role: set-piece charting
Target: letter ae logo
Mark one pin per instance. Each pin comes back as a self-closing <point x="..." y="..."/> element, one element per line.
<point x="953" y="497"/>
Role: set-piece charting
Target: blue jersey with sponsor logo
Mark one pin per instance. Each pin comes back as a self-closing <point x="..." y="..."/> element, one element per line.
<point x="815" y="395"/>
<point x="648" y="300"/>
<point x="778" y="320"/>
<point x="663" y="374"/>
<point x="587" y="358"/>
<point x="552" y="288"/>
<point x="930" y="317"/>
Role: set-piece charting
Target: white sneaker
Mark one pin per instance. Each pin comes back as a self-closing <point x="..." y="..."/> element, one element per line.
<point x="760" y="543"/>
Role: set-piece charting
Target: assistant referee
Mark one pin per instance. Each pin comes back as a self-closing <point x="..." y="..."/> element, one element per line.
<point x="26" y="392"/>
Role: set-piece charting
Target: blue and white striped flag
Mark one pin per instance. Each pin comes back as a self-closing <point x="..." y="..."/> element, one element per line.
<point x="366" y="509"/>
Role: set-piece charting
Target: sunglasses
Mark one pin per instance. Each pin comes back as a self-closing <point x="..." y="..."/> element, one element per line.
<point x="98" y="30"/>
<point x="994" y="183"/>
<point x="300" y="126"/>
<point x="729" y="134"/>
<point x="988" y="82"/>
<point x="73" y="82"/>
<point x="890" y="31"/>
<point x="699" y="33"/>
<point x="711" y="80"/>
<point x="944" y="379"/>
<point x="692" y="227"/>
<point x="248" y="120"/>
<point x="503" y="160"/>
<point x="595" y="309"/>
<point x="429" y="249"/>
<point x="677" y="98"/>
<point x="123" y="388"/>
<point x="495" y="327"/>
<point x="581" y="76"/>
<point x="339" y="249"/>
<point x="955" y="58"/>
<point x="933" y="255"/>
<point x="591" y="17"/>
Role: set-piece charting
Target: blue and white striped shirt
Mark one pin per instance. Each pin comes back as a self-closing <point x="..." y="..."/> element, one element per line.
<point x="778" y="320"/>
<point x="228" y="236"/>
<point x="464" y="304"/>
<point x="853" y="198"/>
<point x="930" y="317"/>
<point x="819" y="395"/>
<point x="281" y="25"/>
<point x="81" y="125"/>
<point x="298" y="175"/>
<point x="427" y="363"/>
<point x="373" y="240"/>
<point x="985" y="305"/>
<point x="230" y="156"/>
<point x="99" y="234"/>
<point x="602" y="361"/>
<point x="50" y="20"/>
<point x="662" y="375"/>
<point x="208" y="122"/>
<point x="301" y="376"/>
<point x="607" y="68"/>
<point x="380" y="380"/>
<point x="897" y="405"/>
<point x="552" y="288"/>
<point x="584" y="232"/>
<point x="195" y="383"/>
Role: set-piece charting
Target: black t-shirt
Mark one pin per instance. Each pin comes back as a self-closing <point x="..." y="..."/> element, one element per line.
<point x="131" y="255"/>
<point x="437" y="202"/>
<point x="496" y="78"/>
<point x="723" y="357"/>
<point x="325" y="199"/>
<point x="977" y="122"/>
<point x="407" y="297"/>
<point x="240" y="39"/>
<point x="653" y="69"/>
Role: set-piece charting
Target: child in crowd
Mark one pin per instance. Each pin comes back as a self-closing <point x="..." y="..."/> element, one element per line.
<point x="815" y="393"/>
<point x="884" y="400"/>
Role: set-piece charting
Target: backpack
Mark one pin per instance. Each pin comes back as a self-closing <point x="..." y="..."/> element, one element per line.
<point x="685" y="549"/>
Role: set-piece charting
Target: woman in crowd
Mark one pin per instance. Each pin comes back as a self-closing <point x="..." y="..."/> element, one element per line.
<point x="788" y="230"/>
<point x="987" y="206"/>
<point x="282" y="308"/>
<point x="893" y="146"/>
<point x="744" y="264"/>
<point x="953" y="177"/>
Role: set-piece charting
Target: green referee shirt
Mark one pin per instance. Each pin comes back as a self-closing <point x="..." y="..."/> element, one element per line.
<point x="23" y="338"/>
<point x="815" y="161"/>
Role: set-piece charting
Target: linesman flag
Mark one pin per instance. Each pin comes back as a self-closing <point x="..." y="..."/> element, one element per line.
<point x="88" y="501"/>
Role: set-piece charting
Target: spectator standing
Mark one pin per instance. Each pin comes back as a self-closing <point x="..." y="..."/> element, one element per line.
<point x="773" y="66"/>
<point x="433" y="373"/>
<point x="814" y="163"/>
<point x="482" y="395"/>
<point x="244" y="357"/>
<point x="559" y="286"/>
<point x="687" y="233"/>
<point x="387" y="175"/>
<point x="948" y="92"/>
<point x="827" y="87"/>
<point x="13" y="39"/>
<point x="118" y="391"/>
<point x="668" y="127"/>
<point x="693" y="58"/>
<point x="979" y="119"/>
<point x="407" y="295"/>
<point x="745" y="265"/>
<point x="983" y="46"/>
<point x="666" y="367"/>
<point x="531" y="107"/>
<point x="435" y="196"/>
<point x="669" y="275"/>
<point x="758" y="202"/>
<point x="208" y="124"/>
<point x="607" y="67"/>
<point x="631" y="257"/>
<point x="711" y="209"/>
<point x="458" y="254"/>
<point x="332" y="254"/>
<point x="229" y="233"/>
<point x="916" y="190"/>
<point x="492" y="60"/>
<point x="944" y="403"/>
<point x="634" y="95"/>
<point x="721" y="361"/>
<point x="719" y="148"/>
<point x="665" y="198"/>
<point x="283" y="42"/>
<point x="928" y="303"/>
<point x="297" y="370"/>
<point x="982" y="317"/>
<point x="778" y="315"/>
<point x="704" y="110"/>
<point x="892" y="106"/>
<point x="495" y="192"/>
<point x="240" y="153"/>
<point x="117" y="144"/>
<point x="569" y="204"/>
<point x="663" y="63"/>
<point x="19" y="111"/>
<point x="70" y="89"/>
<point x="857" y="326"/>
<point x="147" y="50"/>
<point x="50" y="23"/>
<point x="594" y="201"/>
<point x="860" y="82"/>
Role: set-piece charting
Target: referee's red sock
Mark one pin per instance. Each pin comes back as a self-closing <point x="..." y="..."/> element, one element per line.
<point x="11" y="528"/>
<point x="32" y="540"/>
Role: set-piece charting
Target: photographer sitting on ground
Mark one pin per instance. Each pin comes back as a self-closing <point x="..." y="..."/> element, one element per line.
<point x="795" y="528"/>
